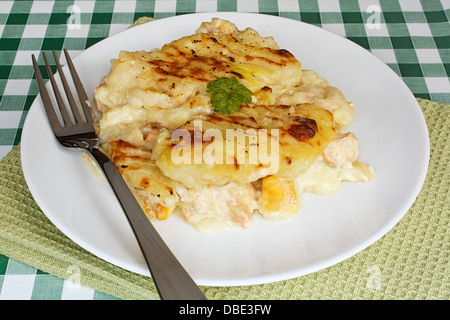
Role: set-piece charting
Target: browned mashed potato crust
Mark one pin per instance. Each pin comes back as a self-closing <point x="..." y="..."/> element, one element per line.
<point x="148" y="95"/>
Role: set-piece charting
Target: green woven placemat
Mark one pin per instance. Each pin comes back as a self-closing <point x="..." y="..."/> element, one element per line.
<point x="410" y="262"/>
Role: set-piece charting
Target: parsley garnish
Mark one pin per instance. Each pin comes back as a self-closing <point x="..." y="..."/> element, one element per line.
<point x="227" y="94"/>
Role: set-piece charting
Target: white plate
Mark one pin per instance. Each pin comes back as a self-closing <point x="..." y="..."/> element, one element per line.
<point x="329" y="229"/>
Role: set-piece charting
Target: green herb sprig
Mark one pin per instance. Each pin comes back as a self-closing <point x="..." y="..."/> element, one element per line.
<point x="227" y="94"/>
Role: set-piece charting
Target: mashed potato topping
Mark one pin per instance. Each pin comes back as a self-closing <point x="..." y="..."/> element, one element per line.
<point x="180" y="155"/>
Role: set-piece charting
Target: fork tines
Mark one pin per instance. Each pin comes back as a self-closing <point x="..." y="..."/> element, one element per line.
<point x="80" y="115"/>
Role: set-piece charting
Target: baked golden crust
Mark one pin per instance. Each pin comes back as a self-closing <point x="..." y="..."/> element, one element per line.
<point x="159" y="128"/>
<point x="302" y="133"/>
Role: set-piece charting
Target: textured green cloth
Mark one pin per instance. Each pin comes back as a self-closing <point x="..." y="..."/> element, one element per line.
<point x="410" y="262"/>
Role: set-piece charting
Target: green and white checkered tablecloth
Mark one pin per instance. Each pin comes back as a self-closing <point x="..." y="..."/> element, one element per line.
<point x="410" y="36"/>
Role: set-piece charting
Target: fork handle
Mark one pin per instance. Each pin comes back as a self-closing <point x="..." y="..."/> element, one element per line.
<point x="171" y="279"/>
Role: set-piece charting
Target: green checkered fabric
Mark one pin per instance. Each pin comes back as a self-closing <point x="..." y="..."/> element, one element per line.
<point x="20" y="281"/>
<point x="410" y="36"/>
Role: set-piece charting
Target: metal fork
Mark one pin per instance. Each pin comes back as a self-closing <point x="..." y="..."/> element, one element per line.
<point x="171" y="279"/>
